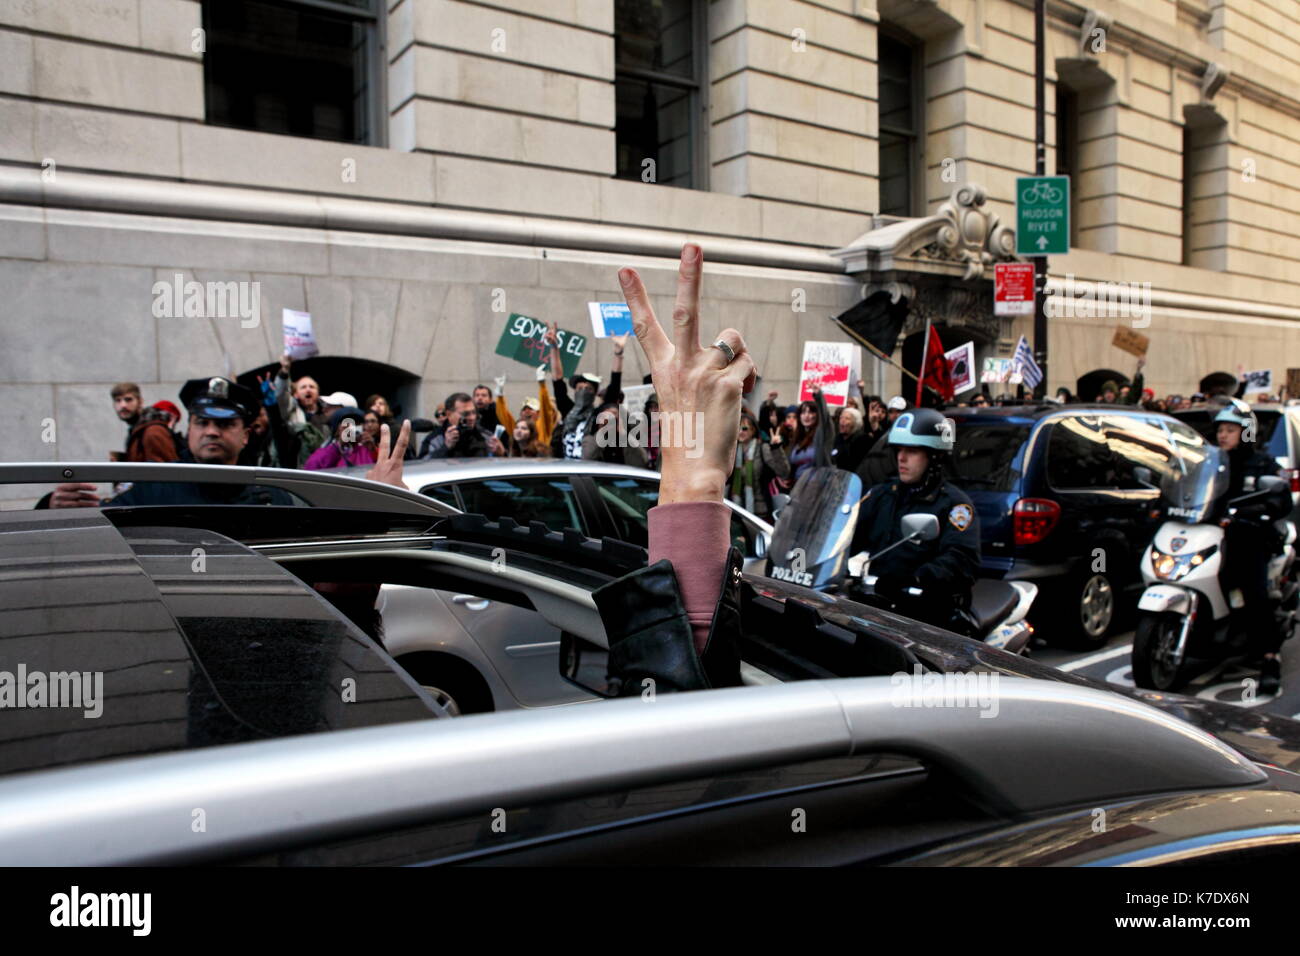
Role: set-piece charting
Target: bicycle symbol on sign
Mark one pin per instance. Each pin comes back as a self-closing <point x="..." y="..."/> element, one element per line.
<point x="1041" y="191"/>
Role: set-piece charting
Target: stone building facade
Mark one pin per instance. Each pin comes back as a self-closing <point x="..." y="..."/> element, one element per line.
<point x="494" y="160"/>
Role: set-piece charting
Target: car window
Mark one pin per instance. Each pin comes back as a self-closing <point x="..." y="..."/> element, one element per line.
<point x="628" y="501"/>
<point x="444" y="493"/>
<point x="984" y="453"/>
<point x="1078" y="456"/>
<point x="549" y="499"/>
<point x="1140" y="442"/>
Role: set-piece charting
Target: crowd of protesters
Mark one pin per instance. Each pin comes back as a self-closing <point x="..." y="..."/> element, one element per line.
<point x="297" y="425"/>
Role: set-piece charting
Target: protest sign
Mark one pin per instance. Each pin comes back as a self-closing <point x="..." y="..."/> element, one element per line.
<point x="833" y="366"/>
<point x="609" y="318"/>
<point x="299" y="341"/>
<point x="522" y="340"/>
<point x="961" y="367"/>
<point x="634" y="398"/>
<point x="999" y="370"/>
<point x="1134" y="343"/>
<point x="1260" y="380"/>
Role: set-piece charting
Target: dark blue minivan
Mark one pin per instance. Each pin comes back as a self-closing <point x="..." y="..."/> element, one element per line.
<point x="1059" y="503"/>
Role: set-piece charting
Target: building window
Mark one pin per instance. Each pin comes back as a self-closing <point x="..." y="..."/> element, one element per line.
<point x="299" y="67"/>
<point x="1205" y="186"/>
<point x="900" y="126"/>
<point x="1067" y="150"/>
<point x="658" y="71"/>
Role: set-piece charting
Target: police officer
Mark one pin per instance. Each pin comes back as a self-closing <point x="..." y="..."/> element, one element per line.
<point x="944" y="568"/>
<point x="1251" y="538"/>
<point x="220" y="414"/>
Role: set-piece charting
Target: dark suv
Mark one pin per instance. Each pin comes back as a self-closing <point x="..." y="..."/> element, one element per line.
<point x="1059" y="503"/>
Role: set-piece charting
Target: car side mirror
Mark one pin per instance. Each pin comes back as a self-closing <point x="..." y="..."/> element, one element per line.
<point x="920" y="527"/>
<point x="1272" y="483"/>
<point x="779" y="503"/>
<point x="586" y="665"/>
<point x="1142" y="475"/>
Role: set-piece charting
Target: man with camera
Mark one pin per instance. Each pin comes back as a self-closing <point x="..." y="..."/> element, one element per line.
<point x="463" y="436"/>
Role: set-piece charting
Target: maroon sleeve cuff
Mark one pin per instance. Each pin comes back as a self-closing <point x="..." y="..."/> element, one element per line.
<point x="695" y="537"/>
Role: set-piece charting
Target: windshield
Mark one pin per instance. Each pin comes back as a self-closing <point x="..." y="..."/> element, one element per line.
<point x="985" y="452"/>
<point x="1196" y="478"/>
<point x="814" y="531"/>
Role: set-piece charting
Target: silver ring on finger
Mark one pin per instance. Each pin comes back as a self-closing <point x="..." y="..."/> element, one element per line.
<point x="727" y="352"/>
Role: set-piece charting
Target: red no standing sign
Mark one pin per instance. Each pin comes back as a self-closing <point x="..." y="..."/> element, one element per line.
<point x="1013" y="288"/>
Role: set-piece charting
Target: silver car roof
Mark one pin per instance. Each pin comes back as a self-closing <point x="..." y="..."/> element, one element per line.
<point x="270" y="794"/>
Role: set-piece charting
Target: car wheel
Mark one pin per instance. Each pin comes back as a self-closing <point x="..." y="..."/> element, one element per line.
<point x="451" y="681"/>
<point x="1087" y="610"/>
<point x="1153" y="642"/>
<point x="444" y="699"/>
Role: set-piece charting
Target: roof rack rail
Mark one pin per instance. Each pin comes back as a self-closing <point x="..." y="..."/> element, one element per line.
<point x="297" y="790"/>
<point x="320" y="489"/>
<point x="569" y="544"/>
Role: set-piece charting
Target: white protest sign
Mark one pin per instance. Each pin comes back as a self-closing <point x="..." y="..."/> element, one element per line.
<point x="634" y="398"/>
<point x="998" y="370"/>
<point x="1260" y="380"/>
<point x="961" y="365"/>
<point x="299" y="341"/>
<point x="832" y="365"/>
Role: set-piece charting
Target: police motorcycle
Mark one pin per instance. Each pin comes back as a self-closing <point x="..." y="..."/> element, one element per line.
<point x="811" y="542"/>
<point x="1185" y="617"/>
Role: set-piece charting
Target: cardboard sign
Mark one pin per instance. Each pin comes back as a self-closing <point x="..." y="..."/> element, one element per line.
<point x="1293" y="382"/>
<point x="961" y="366"/>
<point x="1260" y="380"/>
<point x="832" y="365"/>
<point x="522" y="340"/>
<point x="1134" y="343"/>
<point x="1013" y="288"/>
<point x="299" y="341"/>
<point x="609" y="318"/>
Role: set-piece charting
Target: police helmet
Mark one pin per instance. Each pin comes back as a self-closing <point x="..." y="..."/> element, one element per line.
<point x="1236" y="412"/>
<point x="923" y="428"/>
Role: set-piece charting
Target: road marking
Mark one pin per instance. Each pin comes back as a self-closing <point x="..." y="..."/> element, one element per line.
<point x="1096" y="658"/>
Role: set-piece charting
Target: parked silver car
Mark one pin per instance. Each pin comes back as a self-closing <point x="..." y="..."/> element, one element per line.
<point x="233" y="687"/>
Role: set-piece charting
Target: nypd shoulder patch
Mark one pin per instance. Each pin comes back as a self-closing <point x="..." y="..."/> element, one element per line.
<point x="960" y="516"/>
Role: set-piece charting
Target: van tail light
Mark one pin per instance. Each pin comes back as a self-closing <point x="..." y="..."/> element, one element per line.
<point x="1033" y="519"/>
<point x="1293" y="475"/>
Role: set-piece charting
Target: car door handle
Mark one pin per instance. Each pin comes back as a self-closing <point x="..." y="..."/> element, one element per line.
<point x="471" y="601"/>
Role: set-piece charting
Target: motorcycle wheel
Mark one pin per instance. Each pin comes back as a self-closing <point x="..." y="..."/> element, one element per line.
<point x="1153" y="642"/>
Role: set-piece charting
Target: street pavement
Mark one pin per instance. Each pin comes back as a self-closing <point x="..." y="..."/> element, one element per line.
<point x="1230" y="683"/>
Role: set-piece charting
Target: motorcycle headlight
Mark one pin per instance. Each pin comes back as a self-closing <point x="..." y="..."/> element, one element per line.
<point x="1171" y="567"/>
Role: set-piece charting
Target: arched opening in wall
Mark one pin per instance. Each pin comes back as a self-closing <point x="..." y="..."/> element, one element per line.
<point x="360" y="378"/>
<point x="952" y="336"/>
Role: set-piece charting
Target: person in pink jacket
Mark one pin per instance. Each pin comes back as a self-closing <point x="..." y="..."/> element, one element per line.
<point x="347" y="447"/>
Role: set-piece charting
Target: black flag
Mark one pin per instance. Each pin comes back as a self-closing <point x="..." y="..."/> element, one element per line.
<point x="878" y="320"/>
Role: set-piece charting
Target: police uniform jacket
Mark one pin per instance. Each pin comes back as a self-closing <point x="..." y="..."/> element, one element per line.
<point x="950" y="562"/>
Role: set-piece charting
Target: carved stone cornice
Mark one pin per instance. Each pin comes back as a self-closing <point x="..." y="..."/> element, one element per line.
<point x="961" y="239"/>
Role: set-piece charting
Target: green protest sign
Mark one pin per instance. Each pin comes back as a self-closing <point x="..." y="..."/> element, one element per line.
<point x="522" y="340"/>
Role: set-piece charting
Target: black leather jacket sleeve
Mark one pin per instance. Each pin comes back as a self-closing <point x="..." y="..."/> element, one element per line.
<point x="651" y="639"/>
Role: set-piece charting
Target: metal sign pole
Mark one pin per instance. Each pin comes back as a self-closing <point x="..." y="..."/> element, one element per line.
<point x="1040" y="146"/>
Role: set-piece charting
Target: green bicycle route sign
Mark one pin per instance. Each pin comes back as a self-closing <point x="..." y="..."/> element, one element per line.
<point x="1042" y="215"/>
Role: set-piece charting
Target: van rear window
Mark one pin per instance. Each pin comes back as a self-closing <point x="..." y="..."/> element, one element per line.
<point x="985" y="454"/>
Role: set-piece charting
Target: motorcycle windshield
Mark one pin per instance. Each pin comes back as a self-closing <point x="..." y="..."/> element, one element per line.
<point x="1195" y="479"/>
<point x="812" y="536"/>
